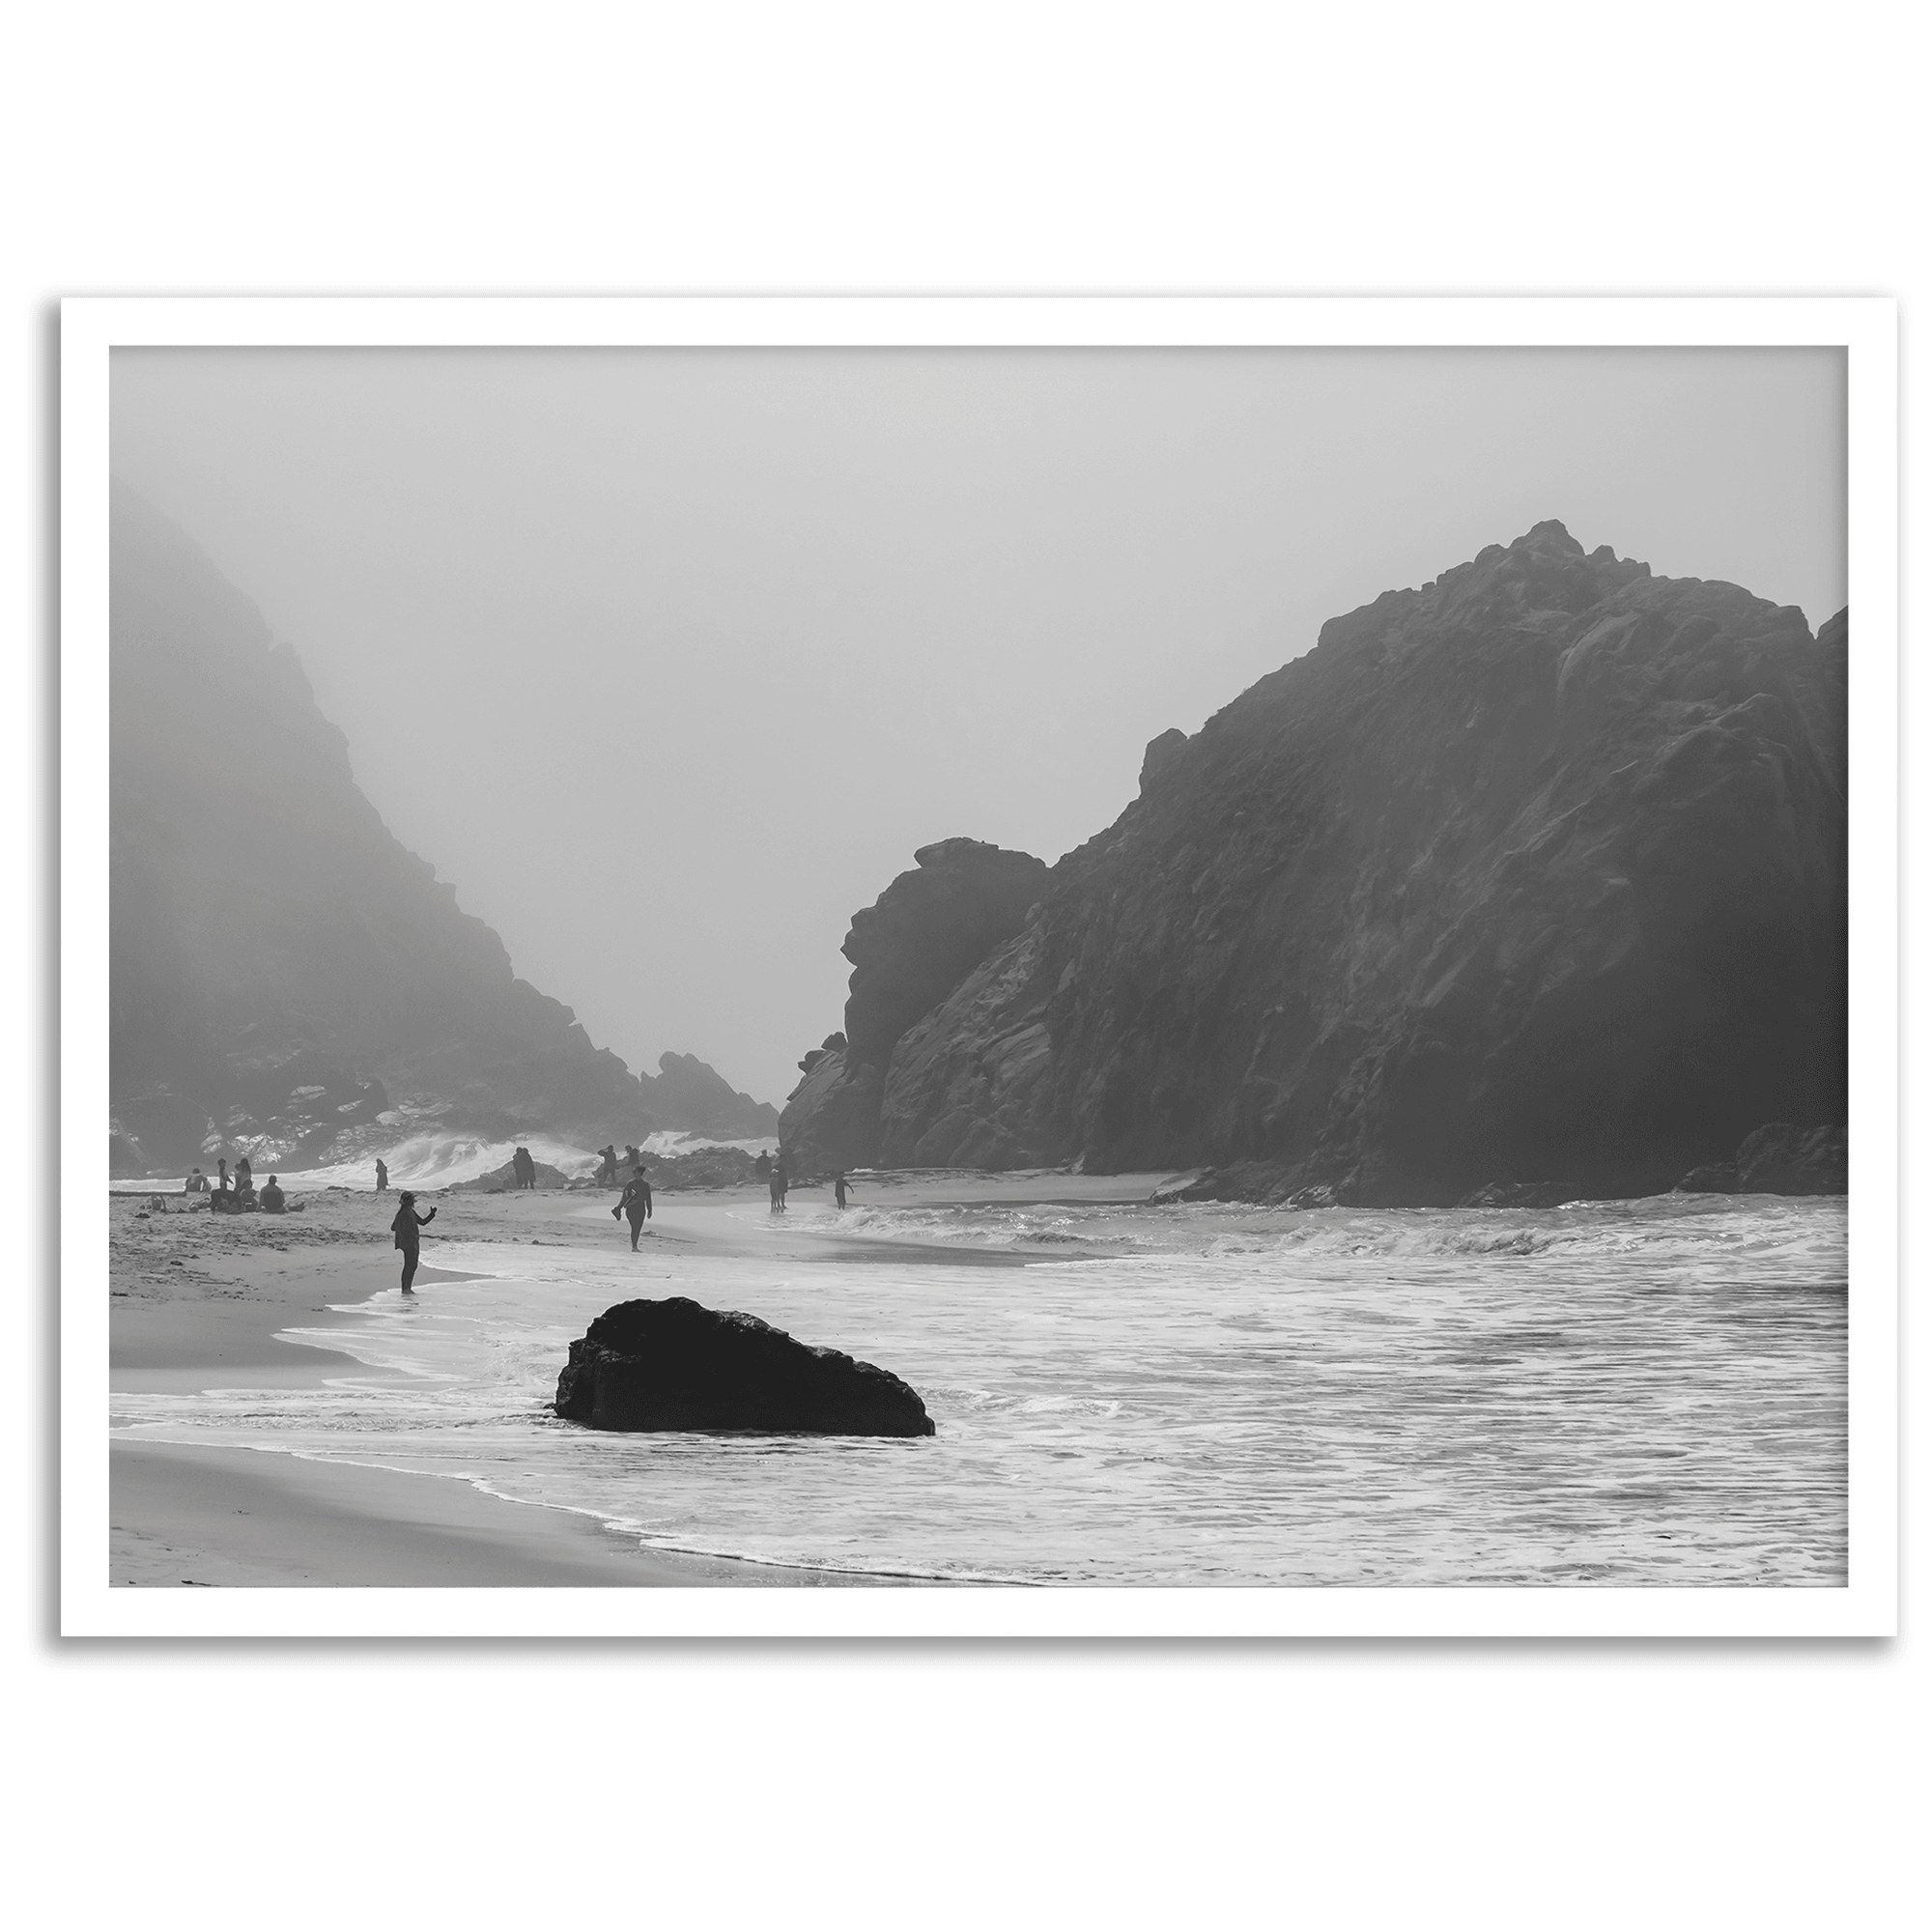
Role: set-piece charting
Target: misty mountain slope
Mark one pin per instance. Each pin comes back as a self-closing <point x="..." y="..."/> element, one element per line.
<point x="1534" y="874"/>
<point x="283" y="968"/>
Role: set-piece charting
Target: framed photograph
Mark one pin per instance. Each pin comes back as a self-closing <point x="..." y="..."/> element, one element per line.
<point x="980" y="967"/>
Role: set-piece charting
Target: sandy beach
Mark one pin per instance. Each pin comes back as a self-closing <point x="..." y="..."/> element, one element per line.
<point x="202" y="1302"/>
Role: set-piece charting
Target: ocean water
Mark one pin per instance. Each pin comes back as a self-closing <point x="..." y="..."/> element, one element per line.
<point x="1637" y="1393"/>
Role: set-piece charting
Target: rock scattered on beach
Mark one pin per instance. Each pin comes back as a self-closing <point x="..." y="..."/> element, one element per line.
<point x="676" y="1365"/>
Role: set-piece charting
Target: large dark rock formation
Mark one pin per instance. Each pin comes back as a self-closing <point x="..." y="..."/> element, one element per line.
<point x="1533" y="875"/>
<point x="285" y="974"/>
<point x="676" y="1365"/>
<point x="927" y="931"/>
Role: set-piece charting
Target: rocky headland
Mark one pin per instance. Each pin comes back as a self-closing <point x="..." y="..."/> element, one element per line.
<point x="287" y="979"/>
<point x="1530" y="882"/>
<point x="677" y="1365"/>
<point x="909" y="950"/>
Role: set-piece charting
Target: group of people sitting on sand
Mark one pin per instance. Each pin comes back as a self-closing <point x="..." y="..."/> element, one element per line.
<point x="241" y="1198"/>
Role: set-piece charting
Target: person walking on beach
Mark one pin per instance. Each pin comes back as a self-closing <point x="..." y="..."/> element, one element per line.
<point x="777" y="1183"/>
<point x="408" y="1227"/>
<point x="839" y="1186"/>
<point x="635" y="1205"/>
<point x="382" y="1177"/>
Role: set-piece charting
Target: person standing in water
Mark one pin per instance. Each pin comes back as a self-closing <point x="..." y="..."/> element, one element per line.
<point x="382" y="1177"/>
<point x="408" y="1227"/>
<point x="839" y="1186"/>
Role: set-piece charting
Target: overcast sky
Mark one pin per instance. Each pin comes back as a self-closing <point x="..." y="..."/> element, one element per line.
<point x="669" y="659"/>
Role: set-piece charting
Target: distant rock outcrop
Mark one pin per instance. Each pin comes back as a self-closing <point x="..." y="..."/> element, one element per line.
<point x="927" y="931"/>
<point x="689" y="1095"/>
<point x="1533" y="878"/>
<point x="1779" y="1159"/>
<point x="286" y="977"/>
<point x="676" y="1365"/>
<point x="503" y="1179"/>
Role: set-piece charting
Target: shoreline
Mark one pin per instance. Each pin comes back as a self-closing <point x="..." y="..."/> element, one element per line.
<point x="182" y="1515"/>
<point x="206" y="1302"/>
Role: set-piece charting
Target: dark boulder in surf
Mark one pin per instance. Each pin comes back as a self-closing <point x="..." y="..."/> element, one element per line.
<point x="677" y="1365"/>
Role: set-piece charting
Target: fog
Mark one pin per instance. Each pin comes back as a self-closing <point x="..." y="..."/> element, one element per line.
<point x="668" y="659"/>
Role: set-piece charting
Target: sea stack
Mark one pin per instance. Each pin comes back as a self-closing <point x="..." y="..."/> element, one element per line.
<point x="676" y="1365"/>
<point x="1534" y="877"/>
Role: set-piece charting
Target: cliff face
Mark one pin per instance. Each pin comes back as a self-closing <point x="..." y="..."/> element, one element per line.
<point x="284" y="973"/>
<point x="926" y="932"/>
<point x="1536" y="874"/>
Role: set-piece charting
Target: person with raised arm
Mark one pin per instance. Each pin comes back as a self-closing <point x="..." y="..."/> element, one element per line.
<point x="408" y="1227"/>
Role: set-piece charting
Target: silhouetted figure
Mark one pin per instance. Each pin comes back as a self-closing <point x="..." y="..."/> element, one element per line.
<point x="782" y="1174"/>
<point x="635" y="1205"/>
<point x="525" y="1168"/>
<point x="408" y="1227"/>
<point x="244" y="1176"/>
<point x="607" y="1166"/>
<point x="382" y="1177"/>
<point x="633" y="1155"/>
<point x="222" y="1164"/>
<point x="839" y="1186"/>
<point x="273" y="1201"/>
<point x="195" y="1184"/>
<point x="777" y="1183"/>
<point x="763" y="1166"/>
<point x="222" y="1201"/>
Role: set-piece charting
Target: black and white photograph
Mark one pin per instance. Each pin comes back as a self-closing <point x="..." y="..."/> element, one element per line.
<point x="1180" y="968"/>
<point x="1004" y="937"/>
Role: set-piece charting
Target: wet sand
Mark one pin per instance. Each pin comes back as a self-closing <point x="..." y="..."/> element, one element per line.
<point x="201" y="1302"/>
